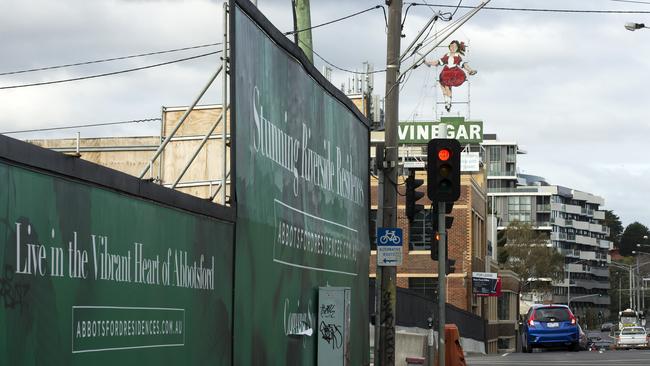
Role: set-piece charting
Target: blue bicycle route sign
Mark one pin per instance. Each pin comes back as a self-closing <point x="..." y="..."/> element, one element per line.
<point x="389" y="246"/>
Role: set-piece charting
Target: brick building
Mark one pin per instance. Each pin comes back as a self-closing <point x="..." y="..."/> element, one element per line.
<point x="467" y="245"/>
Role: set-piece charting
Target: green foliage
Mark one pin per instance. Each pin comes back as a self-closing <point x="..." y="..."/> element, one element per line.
<point x="615" y="227"/>
<point x="632" y="236"/>
<point x="527" y="253"/>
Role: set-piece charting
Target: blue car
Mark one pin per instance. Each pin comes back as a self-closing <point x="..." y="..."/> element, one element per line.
<point x="550" y="326"/>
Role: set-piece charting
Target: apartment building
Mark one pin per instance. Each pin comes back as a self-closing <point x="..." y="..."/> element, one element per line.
<point x="572" y="220"/>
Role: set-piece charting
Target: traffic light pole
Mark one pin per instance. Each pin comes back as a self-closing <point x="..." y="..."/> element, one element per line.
<point x="442" y="283"/>
<point x="442" y="268"/>
<point x="388" y="202"/>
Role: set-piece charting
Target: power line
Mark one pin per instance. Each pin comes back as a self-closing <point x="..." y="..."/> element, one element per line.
<point x="338" y="67"/>
<point x="108" y="73"/>
<point x="108" y="59"/>
<point x="457" y="7"/>
<point x="83" y="126"/>
<point x="334" y="21"/>
<point x="541" y="9"/>
<point x="630" y="1"/>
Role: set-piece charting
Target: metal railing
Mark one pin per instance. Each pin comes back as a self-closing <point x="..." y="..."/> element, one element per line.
<point x="223" y="117"/>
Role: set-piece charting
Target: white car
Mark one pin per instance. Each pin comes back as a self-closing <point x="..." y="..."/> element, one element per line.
<point x="632" y="337"/>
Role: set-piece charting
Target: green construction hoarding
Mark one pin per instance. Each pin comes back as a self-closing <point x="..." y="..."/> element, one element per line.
<point x="302" y="202"/>
<point x="93" y="276"/>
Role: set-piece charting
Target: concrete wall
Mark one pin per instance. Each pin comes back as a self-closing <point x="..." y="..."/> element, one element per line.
<point x="412" y="342"/>
<point x="126" y="154"/>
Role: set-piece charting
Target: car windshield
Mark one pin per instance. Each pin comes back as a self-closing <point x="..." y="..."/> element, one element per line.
<point x="552" y="314"/>
<point x="631" y="331"/>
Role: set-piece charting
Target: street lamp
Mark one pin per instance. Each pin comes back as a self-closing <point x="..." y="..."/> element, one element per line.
<point x="630" y="269"/>
<point x="634" y="26"/>
<point x="640" y="292"/>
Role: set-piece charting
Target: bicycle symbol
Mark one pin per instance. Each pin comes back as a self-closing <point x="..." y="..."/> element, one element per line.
<point x="389" y="235"/>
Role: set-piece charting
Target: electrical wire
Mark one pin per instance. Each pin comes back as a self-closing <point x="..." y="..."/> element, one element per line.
<point x="338" y="67"/>
<point x="83" y="126"/>
<point x="334" y="21"/>
<point x="544" y="10"/>
<point x="457" y="7"/>
<point x="630" y="1"/>
<point x="108" y="59"/>
<point x="108" y="73"/>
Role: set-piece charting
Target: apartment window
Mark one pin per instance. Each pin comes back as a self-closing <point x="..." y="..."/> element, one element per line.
<point x="494" y="168"/>
<point x="503" y="306"/>
<point x="519" y="208"/>
<point x="425" y="286"/>
<point x="421" y="231"/>
<point x="494" y="153"/>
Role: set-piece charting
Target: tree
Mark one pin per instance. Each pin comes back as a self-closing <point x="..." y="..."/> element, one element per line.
<point x="615" y="227"/>
<point x="527" y="253"/>
<point x="632" y="236"/>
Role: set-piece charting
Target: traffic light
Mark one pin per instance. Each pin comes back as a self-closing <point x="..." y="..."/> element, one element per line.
<point x="443" y="170"/>
<point x="451" y="266"/>
<point x="412" y="196"/>
<point x="435" y="238"/>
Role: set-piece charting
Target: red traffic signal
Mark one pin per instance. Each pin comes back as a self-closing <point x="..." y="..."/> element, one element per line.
<point x="443" y="170"/>
<point x="444" y="154"/>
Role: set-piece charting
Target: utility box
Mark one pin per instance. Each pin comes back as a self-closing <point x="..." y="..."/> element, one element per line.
<point x="334" y="326"/>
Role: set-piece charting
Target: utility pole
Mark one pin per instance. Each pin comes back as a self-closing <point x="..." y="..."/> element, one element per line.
<point x="385" y="350"/>
<point x="302" y="25"/>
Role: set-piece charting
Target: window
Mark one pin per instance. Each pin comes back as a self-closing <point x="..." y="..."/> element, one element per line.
<point x="425" y="286"/>
<point x="494" y="153"/>
<point x="494" y="168"/>
<point x="420" y="231"/>
<point x="504" y="343"/>
<point x="519" y="208"/>
<point x="503" y="306"/>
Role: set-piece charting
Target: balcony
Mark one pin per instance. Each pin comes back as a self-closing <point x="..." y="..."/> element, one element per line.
<point x="599" y="215"/>
<point x="586" y="240"/>
<point x="577" y="268"/>
<point x="573" y="253"/>
<point x="605" y="244"/>
<point x="586" y="211"/>
<point x="600" y="271"/>
<point x="563" y="237"/>
<point x="512" y="190"/>
<point x="543" y="208"/>
<point x="502" y="173"/>
<point x="581" y="225"/>
<point x="597" y="228"/>
<point x="511" y="158"/>
<point x="588" y="255"/>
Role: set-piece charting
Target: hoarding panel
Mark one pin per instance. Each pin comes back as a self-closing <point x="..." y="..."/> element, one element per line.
<point x="94" y="277"/>
<point x="302" y="202"/>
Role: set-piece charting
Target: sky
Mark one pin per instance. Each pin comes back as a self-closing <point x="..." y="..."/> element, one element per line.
<point x="570" y="89"/>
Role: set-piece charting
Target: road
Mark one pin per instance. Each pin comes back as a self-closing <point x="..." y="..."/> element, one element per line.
<point x="564" y="358"/>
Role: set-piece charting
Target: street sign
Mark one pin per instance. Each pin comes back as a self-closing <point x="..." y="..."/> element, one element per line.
<point x="485" y="284"/>
<point x="470" y="162"/>
<point x="389" y="246"/>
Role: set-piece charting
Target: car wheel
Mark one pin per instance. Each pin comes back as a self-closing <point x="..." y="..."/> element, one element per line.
<point x="575" y="347"/>
<point x="527" y="348"/>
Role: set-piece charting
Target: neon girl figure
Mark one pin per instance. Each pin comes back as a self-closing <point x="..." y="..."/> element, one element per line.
<point x="452" y="73"/>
